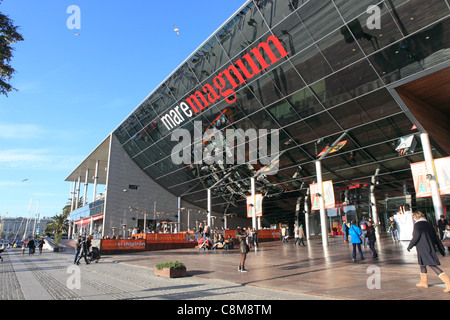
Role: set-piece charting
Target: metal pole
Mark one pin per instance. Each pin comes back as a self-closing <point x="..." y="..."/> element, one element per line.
<point x="34" y="225"/>
<point x="297" y="211"/>
<point x="435" y="195"/>
<point x="85" y="187"/>
<point x="91" y="227"/>
<point x="72" y="202"/>
<point x="179" y="214"/>
<point x="253" y="202"/>
<point x="189" y="218"/>
<point x="373" y="201"/>
<point x="94" y="195"/>
<point x="26" y="225"/>
<point x="323" y="214"/>
<point x="154" y="215"/>
<point x="78" y="193"/>
<point x="209" y="206"/>
<point x="308" y="231"/>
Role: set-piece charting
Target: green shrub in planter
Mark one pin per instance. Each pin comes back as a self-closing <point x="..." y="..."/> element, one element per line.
<point x="170" y="265"/>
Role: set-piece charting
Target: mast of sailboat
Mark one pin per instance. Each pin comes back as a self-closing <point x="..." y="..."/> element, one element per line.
<point x="28" y="219"/>
<point x="18" y="230"/>
<point x="35" y="218"/>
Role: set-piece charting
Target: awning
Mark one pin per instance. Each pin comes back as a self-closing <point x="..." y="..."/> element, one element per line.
<point x="85" y="221"/>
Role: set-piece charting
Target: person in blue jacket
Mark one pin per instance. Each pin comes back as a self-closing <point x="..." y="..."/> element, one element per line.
<point x="355" y="238"/>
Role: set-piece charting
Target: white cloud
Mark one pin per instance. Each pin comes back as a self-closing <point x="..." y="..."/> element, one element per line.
<point x="37" y="159"/>
<point x="20" y="131"/>
<point x="9" y="183"/>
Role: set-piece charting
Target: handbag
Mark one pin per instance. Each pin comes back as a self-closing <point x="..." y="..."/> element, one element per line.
<point x="359" y="235"/>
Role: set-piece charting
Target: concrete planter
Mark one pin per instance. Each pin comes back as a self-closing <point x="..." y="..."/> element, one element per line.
<point x="170" y="273"/>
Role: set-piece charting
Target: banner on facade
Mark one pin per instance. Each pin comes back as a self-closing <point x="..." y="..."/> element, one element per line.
<point x="328" y="192"/>
<point x="257" y="207"/>
<point x="442" y="167"/>
<point x="422" y="184"/>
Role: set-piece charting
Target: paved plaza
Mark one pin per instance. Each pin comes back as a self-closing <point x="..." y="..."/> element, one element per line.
<point x="277" y="271"/>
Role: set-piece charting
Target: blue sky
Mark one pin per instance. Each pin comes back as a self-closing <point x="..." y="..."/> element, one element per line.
<point x="76" y="89"/>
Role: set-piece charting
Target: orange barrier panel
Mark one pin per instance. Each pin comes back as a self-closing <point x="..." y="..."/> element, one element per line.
<point x="165" y="241"/>
<point x="122" y="244"/>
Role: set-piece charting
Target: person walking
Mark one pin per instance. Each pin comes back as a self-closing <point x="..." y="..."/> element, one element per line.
<point x="41" y="245"/>
<point x="31" y="246"/>
<point x="83" y="251"/>
<point x="355" y="238"/>
<point x="393" y="228"/>
<point x="345" y="231"/>
<point x="296" y="234"/>
<point x="426" y="240"/>
<point x="442" y="223"/>
<point x="371" y="239"/>
<point x="301" y="235"/>
<point x="243" y="249"/>
<point x="363" y="225"/>
<point x="283" y="233"/>
<point x="77" y="249"/>
<point x="250" y="238"/>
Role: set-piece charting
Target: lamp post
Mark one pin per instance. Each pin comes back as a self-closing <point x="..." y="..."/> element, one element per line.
<point x="124" y="227"/>
<point x="209" y="205"/>
<point x="323" y="215"/>
<point x="264" y="170"/>
<point x="431" y="176"/>
<point x="373" y="201"/>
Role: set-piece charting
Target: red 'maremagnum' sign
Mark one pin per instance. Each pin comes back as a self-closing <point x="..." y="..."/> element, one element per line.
<point x="225" y="83"/>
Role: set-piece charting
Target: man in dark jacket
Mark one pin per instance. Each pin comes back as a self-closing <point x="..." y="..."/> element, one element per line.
<point x="41" y="245"/>
<point x="83" y="251"/>
<point x="425" y="240"/>
<point x="77" y="249"/>
<point x="31" y="246"/>
<point x="442" y="223"/>
<point x="371" y="239"/>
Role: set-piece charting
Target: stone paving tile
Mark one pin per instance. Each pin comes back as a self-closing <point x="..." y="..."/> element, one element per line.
<point x="278" y="272"/>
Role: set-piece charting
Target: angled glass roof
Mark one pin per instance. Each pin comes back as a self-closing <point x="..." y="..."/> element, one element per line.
<point x="336" y="78"/>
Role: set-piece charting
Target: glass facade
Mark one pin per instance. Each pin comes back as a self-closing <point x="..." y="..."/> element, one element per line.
<point x="334" y="79"/>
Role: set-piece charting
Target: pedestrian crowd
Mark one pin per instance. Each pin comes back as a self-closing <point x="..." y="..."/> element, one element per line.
<point x="424" y="238"/>
<point x="84" y="250"/>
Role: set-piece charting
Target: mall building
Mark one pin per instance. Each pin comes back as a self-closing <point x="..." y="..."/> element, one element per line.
<point x="356" y="91"/>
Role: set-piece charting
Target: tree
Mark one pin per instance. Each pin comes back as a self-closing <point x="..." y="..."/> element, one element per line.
<point x="59" y="225"/>
<point x="8" y="36"/>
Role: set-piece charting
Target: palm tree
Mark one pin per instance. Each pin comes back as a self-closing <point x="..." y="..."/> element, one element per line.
<point x="58" y="226"/>
<point x="60" y="223"/>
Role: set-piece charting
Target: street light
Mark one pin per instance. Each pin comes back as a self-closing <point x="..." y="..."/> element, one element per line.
<point x="208" y="209"/>
<point x="323" y="215"/>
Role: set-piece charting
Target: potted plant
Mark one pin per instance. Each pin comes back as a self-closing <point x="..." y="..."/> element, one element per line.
<point x="170" y="269"/>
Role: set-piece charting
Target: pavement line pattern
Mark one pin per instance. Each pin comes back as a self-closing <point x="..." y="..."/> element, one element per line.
<point x="111" y="292"/>
<point x="9" y="284"/>
<point x="55" y="288"/>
